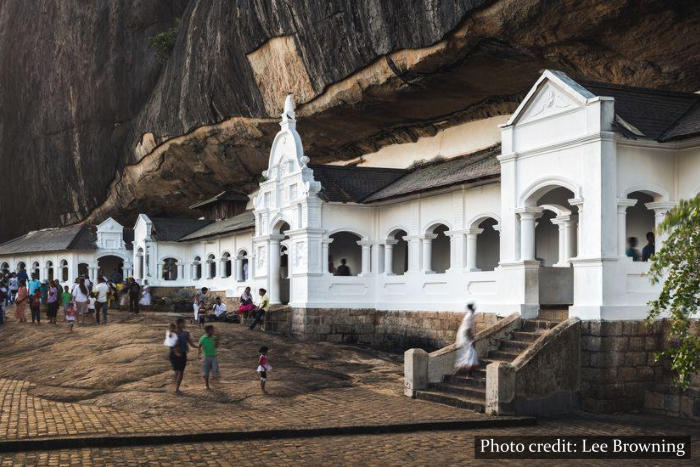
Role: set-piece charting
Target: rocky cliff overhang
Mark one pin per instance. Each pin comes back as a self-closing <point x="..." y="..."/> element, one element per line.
<point x="365" y="74"/>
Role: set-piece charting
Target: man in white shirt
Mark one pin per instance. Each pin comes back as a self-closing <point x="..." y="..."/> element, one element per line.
<point x="219" y="310"/>
<point x="101" y="291"/>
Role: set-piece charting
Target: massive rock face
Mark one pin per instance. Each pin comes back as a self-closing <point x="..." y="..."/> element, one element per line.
<point x="92" y="125"/>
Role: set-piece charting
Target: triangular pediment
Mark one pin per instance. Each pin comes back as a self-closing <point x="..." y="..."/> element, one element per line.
<point x="110" y="225"/>
<point x="553" y="93"/>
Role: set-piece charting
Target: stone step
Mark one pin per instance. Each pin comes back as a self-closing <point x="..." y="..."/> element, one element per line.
<point x="479" y="380"/>
<point x="527" y="336"/>
<point x="537" y="324"/>
<point x="502" y="355"/>
<point x="472" y="392"/>
<point x="452" y="399"/>
<point x="515" y="345"/>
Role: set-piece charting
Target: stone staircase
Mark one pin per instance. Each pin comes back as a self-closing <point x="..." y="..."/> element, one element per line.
<point x="470" y="392"/>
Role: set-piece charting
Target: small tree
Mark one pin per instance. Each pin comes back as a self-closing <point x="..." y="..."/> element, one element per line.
<point x="677" y="263"/>
<point x="163" y="43"/>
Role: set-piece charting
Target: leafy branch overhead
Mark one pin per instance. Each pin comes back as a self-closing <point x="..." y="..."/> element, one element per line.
<point x="678" y="261"/>
<point x="164" y="43"/>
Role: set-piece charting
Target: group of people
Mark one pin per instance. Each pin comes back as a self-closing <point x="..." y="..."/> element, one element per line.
<point x="81" y="301"/>
<point x="249" y="313"/>
<point x="647" y="252"/>
<point x="179" y="341"/>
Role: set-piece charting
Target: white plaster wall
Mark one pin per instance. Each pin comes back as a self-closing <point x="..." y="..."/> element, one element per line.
<point x="688" y="172"/>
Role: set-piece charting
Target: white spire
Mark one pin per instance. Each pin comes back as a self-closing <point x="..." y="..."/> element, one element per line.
<point x="288" y="115"/>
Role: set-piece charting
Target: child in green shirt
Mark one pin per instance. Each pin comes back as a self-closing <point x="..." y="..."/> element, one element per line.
<point x="207" y="345"/>
<point x="66" y="299"/>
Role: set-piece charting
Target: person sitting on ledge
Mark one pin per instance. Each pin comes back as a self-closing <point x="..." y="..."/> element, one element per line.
<point x="632" y="250"/>
<point x="219" y="310"/>
<point x="343" y="269"/>
<point x="650" y="248"/>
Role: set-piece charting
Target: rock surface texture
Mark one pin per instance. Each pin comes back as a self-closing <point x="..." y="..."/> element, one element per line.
<point x="92" y="124"/>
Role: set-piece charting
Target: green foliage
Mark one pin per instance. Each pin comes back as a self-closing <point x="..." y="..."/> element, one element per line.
<point x="163" y="43"/>
<point x="678" y="263"/>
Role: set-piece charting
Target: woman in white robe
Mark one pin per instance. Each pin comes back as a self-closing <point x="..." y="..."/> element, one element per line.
<point x="467" y="358"/>
<point x="145" y="294"/>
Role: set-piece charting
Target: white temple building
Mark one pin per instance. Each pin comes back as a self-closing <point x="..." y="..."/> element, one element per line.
<point x="541" y="219"/>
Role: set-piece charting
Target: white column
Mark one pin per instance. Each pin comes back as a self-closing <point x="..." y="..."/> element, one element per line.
<point x="527" y="232"/>
<point x="239" y="270"/>
<point x="578" y="203"/>
<point x="562" y="221"/>
<point x="273" y="271"/>
<point x="457" y="250"/>
<point x="472" y="235"/>
<point x="414" y="253"/>
<point x="622" y="205"/>
<point x="428" y="252"/>
<point x="366" y="256"/>
<point x="325" y="245"/>
<point x="389" y="257"/>
<point x="660" y="208"/>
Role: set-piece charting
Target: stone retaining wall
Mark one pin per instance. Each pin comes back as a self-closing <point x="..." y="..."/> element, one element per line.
<point x="619" y="373"/>
<point x="389" y="330"/>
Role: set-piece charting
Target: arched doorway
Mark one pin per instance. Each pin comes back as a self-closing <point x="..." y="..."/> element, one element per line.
<point x="346" y="254"/>
<point x="640" y="226"/>
<point x="547" y="233"/>
<point x="5" y="268"/>
<point x="49" y="271"/>
<point x="487" y="245"/>
<point x="64" y="271"/>
<point x="242" y="266"/>
<point x="226" y="267"/>
<point x="436" y="249"/>
<point x="111" y="267"/>
<point x="211" y="266"/>
<point x="35" y="270"/>
<point x="279" y="264"/>
<point x="197" y="268"/>
<point x="83" y="270"/>
<point x="396" y="253"/>
<point x="169" y="269"/>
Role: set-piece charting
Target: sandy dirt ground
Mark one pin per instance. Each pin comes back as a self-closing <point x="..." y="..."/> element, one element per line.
<point x="125" y="366"/>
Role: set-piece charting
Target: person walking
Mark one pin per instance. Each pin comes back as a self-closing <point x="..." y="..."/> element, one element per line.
<point x="22" y="302"/>
<point x="101" y="291"/>
<point x="145" y="300"/>
<point x="13" y="285"/>
<point x="178" y="353"/>
<point x="52" y="302"/>
<point x="35" y="306"/>
<point x="263" y="367"/>
<point x="81" y="298"/>
<point x="467" y="358"/>
<point x="66" y="299"/>
<point x="4" y="297"/>
<point x="207" y="345"/>
<point x="134" y="291"/>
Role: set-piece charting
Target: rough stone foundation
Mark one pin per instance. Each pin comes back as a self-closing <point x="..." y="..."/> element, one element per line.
<point x="619" y="373"/>
<point x="389" y="330"/>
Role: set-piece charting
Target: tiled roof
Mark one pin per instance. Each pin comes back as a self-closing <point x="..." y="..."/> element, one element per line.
<point x="223" y="196"/>
<point x="657" y="114"/>
<point x="172" y="229"/>
<point x="481" y="165"/>
<point x="73" y="237"/>
<point x="351" y="184"/>
<point x="242" y="221"/>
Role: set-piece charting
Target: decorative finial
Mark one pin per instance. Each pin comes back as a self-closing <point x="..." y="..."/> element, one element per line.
<point x="288" y="112"/>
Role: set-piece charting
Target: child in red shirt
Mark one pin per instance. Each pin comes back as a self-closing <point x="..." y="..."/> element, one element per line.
<point x="35" y="306"/>
<point x="263" y="367"/>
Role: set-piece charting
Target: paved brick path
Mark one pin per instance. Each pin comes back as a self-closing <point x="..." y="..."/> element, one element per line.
<point x="25" y="416"/>
<point x="422" y="448"/>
